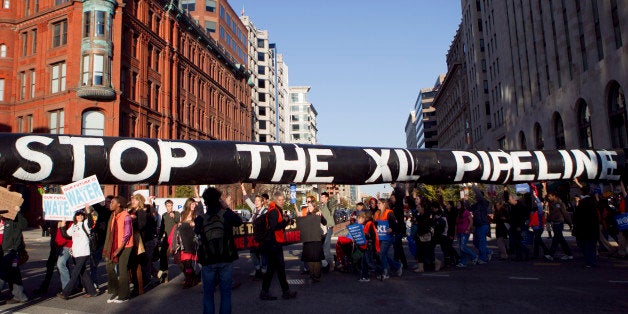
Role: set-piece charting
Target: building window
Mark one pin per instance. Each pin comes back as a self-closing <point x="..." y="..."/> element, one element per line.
<point x="598" y="32"/>
<point x="24" y="40"/>
<point x="149" y="56"/>
<point x="34" y="41"/>
<point x="522" y="141"/>
<point x="57" y="121"/>
<point x="33" y="79"/>
<point x="262" y="125"/>
<point x="87" y="22"/>
<point x="559" y="131"/>
<point x="210" y="5"/>
<point x="260" y="43"/>
<point x="261" y="111"/>
<point x="210" y="26"/>
<point x="134" y="42"/>
<point x="85" y="72"/>
<point x="261" y="70"/>
<point x="149" y="21"/>
<point x="93" y="123"/>
<point x="188" y="5"/>
<point x="6" y="4"/>
<point x="22" y="77"/>
<point x="616" y="28"/>
<point x="584" y="125"/>
<point x="58" y="2"/>
<point x="58" y="77"/>
<point x="27" y="7"/>
<point x="261" y="83"/>
<point x="101" y="24"/>
<point x="59" y="33"/>
<point x="260" y="56"/>
<point x="617" y="116"/>
<point x="538" y="137"/>
<point x="99" y="68"/>
<point x="133" y="87"/>
<point x="1" y="89"/>
<point x="261" y="96"/>
<point x="3" y="51"/>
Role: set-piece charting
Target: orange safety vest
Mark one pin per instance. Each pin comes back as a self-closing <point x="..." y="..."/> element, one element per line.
<point x="384" y="216"/>
<point x="280" y="235"/>
<point x="118" y="227"/>
<point x="367" y="226"/>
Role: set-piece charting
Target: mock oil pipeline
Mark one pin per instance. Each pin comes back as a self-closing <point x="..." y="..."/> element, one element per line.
<point x="61" y="159"/>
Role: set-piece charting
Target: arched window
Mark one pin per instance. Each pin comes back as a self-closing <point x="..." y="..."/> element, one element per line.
<point x="3" y="51"/>
<point x="538" y="137"/>
<point x="617" y="115"/>
<point x="93" y="123"/>
<point x="559" y="131"/>
<point x="522" y="141"/>
<point x="585" y="137"/>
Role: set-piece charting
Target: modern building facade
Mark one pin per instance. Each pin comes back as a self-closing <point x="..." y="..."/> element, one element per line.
<point x="426" y="124"/>
<point x="410" y="129"/>
<point x="452" y="102"/>
<point x="546" y="74"/>
<point x="269" y="76"/>
<point x="302" y="122"/>
<point x="98" y="67"/>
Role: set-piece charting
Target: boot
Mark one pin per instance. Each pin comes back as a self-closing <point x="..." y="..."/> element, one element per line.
<point x="420" y="269"/>
<point x="437" y="265"/>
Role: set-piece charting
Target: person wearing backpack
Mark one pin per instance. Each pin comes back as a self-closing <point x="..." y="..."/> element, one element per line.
<point x="79" y="231"/>
<point x="216" y="249"/>
<point x="272" y="246"/>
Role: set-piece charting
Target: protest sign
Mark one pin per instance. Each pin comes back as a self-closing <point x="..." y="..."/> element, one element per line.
<point x="382" y="225"/>
<point x="357" y="233"/>
<point x="622" y="221"/>
<point x="86" y="191"/>
<point x="8" y="201"/>
<point x="56" y="207"/>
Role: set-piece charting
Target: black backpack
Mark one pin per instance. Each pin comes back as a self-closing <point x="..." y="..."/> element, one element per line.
<point x="260" y="227"/>
<point x="439" y="226"/>
<point x="213" y="243"/>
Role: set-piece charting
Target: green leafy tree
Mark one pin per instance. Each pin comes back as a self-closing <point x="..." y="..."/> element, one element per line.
<point x="184" y="191"/>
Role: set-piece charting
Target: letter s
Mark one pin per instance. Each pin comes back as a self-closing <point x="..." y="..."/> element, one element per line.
<point x="44" y="162"/>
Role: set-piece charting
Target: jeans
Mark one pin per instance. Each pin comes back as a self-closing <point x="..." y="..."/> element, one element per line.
<point x="465" y="251"/>
<point x="220" y="274"/>
<point x="119" y="284"/>
<point x="368" y="263"/>
<point x="95" y="259"/>
<point x="327" y="245"/>
<point x="479" y="241"/>
<point x="258" y="259"/>
<point x="78" y="273"/>
<point x="384" y="247"/>
<point x="538" y="243"/>
<point x="559" y="239"/>
<point x="62" y="265"/>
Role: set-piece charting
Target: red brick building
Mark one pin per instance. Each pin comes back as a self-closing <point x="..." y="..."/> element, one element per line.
<point x="136" y="68"/>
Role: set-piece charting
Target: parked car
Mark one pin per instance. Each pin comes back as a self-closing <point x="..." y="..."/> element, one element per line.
<point x="341" y="215"/>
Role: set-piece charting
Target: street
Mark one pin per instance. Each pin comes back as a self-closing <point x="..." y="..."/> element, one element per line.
<point x="497" y="287"/>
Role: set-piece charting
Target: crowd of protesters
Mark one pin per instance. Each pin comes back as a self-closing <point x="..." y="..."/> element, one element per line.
<point x="131" y="237"/>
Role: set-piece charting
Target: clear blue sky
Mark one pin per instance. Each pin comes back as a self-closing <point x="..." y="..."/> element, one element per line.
<point x="365" y="60"/>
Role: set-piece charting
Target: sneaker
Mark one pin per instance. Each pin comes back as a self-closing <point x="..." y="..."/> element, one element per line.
<point x="266" y="296"/>
<point x="16" y="301"/>
<point x="489" y="256"/>
<point x="549" y="257"/>
<point x="399" y="271"/>
<point x="461" y="265"/>
<point x="118" y="301"/>
<point x="253" y="272"/>
<point x="475" y="261"/>
<point x="480" y="262"/>
<point x="289" y="295"/>
<point x="364" y="280"/>
<point x="567" y="257"/>
<point x="382" y="277"/>
<point x="112" y="299"/>
<point x="62" y="296"/>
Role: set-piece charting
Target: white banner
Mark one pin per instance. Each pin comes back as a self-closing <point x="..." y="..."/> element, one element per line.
<point x="82" y="192"/>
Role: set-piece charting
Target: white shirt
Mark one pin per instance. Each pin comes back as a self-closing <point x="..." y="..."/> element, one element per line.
<point x="80" y="240"/>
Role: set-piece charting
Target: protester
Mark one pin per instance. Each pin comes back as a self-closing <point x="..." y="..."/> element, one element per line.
<point x="425" y="238"/>
<point x="64" y="243"/>
<point x="502" y="225"/>
<point x="452" y="214"/>
<point x="257" y="209"/>
<point x="481" y="226"/>
<point x="386" y="223"/>
<point x="118" y="247"/>
<point x="328" y="213"/>
<point x="518" y="216"/>
<point x="98" y="219"/>
<point x="168" y="220"/>
<point x="537" y="223"/>
<point x="558" y="215"/>
<point x="396" y="204"/>
<point x="183" y="244"/>
<point x="12" y="245"/>
<point x="464" y="225"/>
<point x="217" y="250"/>
<point x="586" y="226"/>
<point x="272" y="246"/>
<point x="51" y="262"/>
<point x="371" y="247"/>
<point x="79" y="231"/>
<point x="310" y="230"/>
<point x="147" y="227"/>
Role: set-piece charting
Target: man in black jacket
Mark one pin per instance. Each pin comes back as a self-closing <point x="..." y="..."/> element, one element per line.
<point x="216" y="251"/>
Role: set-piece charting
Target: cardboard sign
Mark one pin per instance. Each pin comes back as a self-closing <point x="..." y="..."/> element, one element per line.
<point x="356" y="231"/>
<point x="622" y="222"/>
<point x="382" y="225"/>
<point x="56" y="207"/>
<point x="86" y="191"/>
<point x="8" y="201"/>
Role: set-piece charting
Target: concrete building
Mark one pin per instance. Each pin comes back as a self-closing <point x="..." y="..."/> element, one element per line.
<point x="452" y="102"/>
<point x="546" y="74"/>
<point x="410" y="129"/>
<point x="426" y="124"/>
<point x="302" y="123"/>
<point x="269" y="79"/>
<point x="96" y="67"/>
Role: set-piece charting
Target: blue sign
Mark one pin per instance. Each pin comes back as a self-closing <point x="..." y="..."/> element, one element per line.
<point x="293" y="193"/>
<point x="522" y="188"/>
<point x="382" y="226"/>
<point x="356" y="232"/>
<point x="622" y="222"/>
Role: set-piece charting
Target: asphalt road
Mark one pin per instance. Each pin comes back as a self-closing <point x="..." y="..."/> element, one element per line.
<point x="497" y="287"/>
